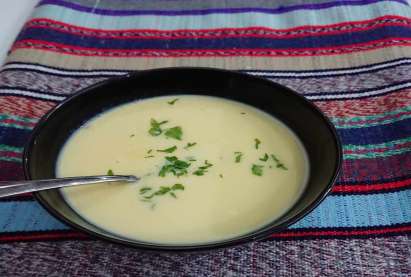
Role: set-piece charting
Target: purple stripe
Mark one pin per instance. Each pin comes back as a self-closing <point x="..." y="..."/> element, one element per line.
<point x="278" y="10"/>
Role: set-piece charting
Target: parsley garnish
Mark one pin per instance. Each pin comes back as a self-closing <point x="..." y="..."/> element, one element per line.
<point x="168" y="150"/>
<point x="238" y="156"/>
<point x="175" y="133"/>
<point x="190" y="144"/>
<point x="243" y="113"/>
<point x="257" y="169"/>
<point x="174" y="166"/>
<point x="279" y="164"/>
<point x="149" y="156"/>
<point x="144" y="190"/>
<point x="202" y="169"/>
<point x="161" y="191"/>
<point x="257" y="143"/>
<point x="264" y="158"/>
<point x="155" y="129"/>
<point x="149" y="151"/>
<point x="110" y="172"/>
<point x="132" y="135"/>
<point x="172" y="101"/>
<point x="221" y="176"/>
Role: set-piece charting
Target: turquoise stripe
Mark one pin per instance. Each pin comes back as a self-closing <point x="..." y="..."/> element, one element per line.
<point x="372" y="155"/>
<point x="11" y="159"/>
<point x="376" y="123"/>
<point x="16" y="126"/>
<point x="334" y="211"/>
<point x="319" y="17"/>
<point x="17" y="118"/>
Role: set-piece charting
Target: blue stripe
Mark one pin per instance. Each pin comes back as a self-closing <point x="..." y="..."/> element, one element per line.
<point x="56" y="36"/>
<point x="334" y="211"/>
<point x="13" y="136"/>
<point x="376" y="134"/>
<point x="279" y="10"/>
<point x="360" y="211"/>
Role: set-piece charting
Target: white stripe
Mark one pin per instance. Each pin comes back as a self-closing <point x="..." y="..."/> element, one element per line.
<point x="31" y="94"/>
<point x="47" y="69"/>
<point x="359" y="94"/>
<point x="334" y="72"/>
<point x="60" y="71"/>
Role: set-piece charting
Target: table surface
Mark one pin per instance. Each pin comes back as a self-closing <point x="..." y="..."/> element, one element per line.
<point x="13" y="14"/>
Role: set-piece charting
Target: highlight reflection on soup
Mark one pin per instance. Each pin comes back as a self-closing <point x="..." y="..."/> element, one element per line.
<point x="210" y="168"/>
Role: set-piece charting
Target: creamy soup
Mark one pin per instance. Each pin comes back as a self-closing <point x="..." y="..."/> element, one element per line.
<point x="210" y="168"/>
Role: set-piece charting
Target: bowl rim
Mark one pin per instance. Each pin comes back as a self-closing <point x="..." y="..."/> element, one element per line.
<point x="246" y="238"/>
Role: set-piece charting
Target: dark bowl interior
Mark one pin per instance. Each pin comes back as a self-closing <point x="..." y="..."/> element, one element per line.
<point x="311" y="126"/>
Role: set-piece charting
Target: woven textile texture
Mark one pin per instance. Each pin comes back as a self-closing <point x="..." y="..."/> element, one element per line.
<point x="351" y="58"/>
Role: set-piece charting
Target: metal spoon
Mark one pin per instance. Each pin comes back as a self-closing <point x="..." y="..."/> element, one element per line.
<point x="19" y="187"/>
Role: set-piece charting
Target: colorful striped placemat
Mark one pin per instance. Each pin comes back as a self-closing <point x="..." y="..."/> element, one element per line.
<point x="351" y="58"/>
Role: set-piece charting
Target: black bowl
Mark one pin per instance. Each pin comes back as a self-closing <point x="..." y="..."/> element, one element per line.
<point x="314" y="130"/>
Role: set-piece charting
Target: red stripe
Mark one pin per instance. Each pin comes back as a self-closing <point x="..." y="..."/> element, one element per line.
<point x="375" y="120"/>
<point x="76" y="235"/>
<point x="171" y="53"/>
<point x="257" y="31"/>
<point x="44" y="236"/>
<point x="372" y="187"/>
<point x="343" y="233"/>
<point x="366" y="106"/>
<point x="25" y="107"/>
<point x="176" y="31"/>
<point x="10" y="154"/>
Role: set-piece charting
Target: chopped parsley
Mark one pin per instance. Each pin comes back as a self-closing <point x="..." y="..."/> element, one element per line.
<point x="144" y="190"/>
<point x="190" y="144"/>
<point x="238" y="156"/>
<point x="257" y="169"/>
<point x="132" y="135"/>
<point x="155" y="127"/>
<point x="264" y="158"/>
<point x="278" y="163"/>
<point x="168" y="150"/>
<point x="161" y="191"/>
<point x="221" y="176"/>
<point x="172" y="102"/>
<point x="174" y="166"/>
<point x="149" y="156"/>
<point x="203" y="169"/>
<point x="243" y="113"/>
<point x="149" y="151"/>
<point x="175" y="133"/>
<point x="257" y="143"/>
<point x="110" y="172"/>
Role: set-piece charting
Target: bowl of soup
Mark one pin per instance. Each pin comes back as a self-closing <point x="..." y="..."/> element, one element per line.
<point x="223" y="158"/>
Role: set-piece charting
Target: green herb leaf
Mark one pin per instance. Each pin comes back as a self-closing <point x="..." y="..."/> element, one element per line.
<point x="172" y="101"/>
<point x="175" y="133"/>
<point x="132" y="135"/>
<point x="264" y="158"/>
<point x="162" y="191"/>
<point x="243" y="113"/>
<point x="174" y="166"/>
<point x="144" y="190"/>
<point x="177" y="187"/>
<point x="173" y="194"/>
<point x="110" y="172"/>
<point x="278" y="163"/>
<point x="238" y="156"/>
<point x="190" y="144"/>
<point x="168" y="150"/>
<point x="148" y="157"/>
<point x="221" y="176"/>
<point x="155" y="129"/>
<point x="257" y="169"/>
<point x="149" y="151"/>
<point x="257" y="143"/>
<point x="203" y="169"/>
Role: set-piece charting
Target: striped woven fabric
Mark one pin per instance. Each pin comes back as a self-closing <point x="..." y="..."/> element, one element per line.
<point x="352" y="58"/>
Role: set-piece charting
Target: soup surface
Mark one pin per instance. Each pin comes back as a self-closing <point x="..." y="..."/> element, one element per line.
<point x="210" y="168"/>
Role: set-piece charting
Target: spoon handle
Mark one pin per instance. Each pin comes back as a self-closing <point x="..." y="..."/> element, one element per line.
<point x="19" y="187"/>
